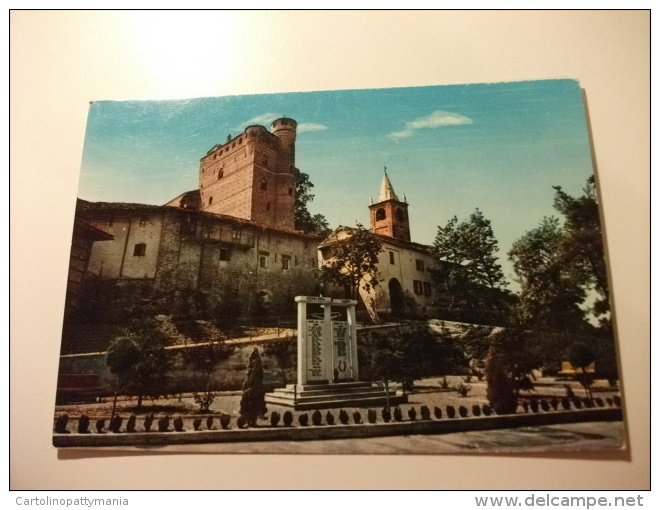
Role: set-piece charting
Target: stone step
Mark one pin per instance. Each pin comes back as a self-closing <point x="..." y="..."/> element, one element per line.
<point x="328" y="391"/>
<point x="341" y="386"/>
<point x="376" y="401"/>
<point x="327" y="396"/>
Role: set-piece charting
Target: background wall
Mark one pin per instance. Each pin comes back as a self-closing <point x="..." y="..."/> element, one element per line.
<point x="62" y="60"/>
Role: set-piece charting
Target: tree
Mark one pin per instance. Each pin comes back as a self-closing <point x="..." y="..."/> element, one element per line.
<point x="203" y="360"/>
<point x="582" y="242"/>
<point x="467" y="272"/>
<point x="551" y="289"/>
<point x="303" y="220"/>
<point x="500" y="391"/>
<point x="354" y="262"/>
<point x="138" y="357"/>
<point x="253" y="403"/>
<point x="384" y="365"/>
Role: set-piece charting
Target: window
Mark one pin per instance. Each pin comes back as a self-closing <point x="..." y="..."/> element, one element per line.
<point x="380" y="214"/>
<point x="263" y="261"/>
<point x="224" y="254"/>
<point x="140" y="250"/>
<point x="143" y="220"/>
<point x="295" y="260"/>
<point x="420" y="265"/>
<point x="427" y="289"/>
<point x="263" y="184"/>
<point x="210" y="200"/>
<point x="286" y="259"/>
<point x="236" y="234"/>
<point x="391" y="257"/>
<point x="417" y="286"/>
<point x="221" y="172"/>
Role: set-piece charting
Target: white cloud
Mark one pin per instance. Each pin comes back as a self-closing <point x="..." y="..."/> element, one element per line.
<point x="304" y="128"/>
<point x="435" y="120"/>
<point x="265" y="119"/>
<point x="401" y="134"/>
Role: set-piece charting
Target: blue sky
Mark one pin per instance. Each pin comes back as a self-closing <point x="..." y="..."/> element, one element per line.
<point x="450" y="149"/>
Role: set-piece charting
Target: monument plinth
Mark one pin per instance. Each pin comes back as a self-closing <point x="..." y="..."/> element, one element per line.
<point x="328" y="372"/>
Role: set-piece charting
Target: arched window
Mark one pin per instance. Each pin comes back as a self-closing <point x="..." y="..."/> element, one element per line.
<point x="380" y="214"/>
<point x="399" y="214"/>
<point x="263" y="184"/>
<point x="210" y="200"/>
<point x="221" y="172"/>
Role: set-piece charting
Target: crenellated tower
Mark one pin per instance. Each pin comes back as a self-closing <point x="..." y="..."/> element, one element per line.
<point x="389" y="216"/>
<point x="252" y="176"/>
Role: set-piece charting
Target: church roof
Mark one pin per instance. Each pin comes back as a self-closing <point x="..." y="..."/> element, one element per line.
<point x="386" y="190"/>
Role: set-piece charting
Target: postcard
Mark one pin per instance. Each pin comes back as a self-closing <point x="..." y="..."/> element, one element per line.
<point x="409" y="271"/>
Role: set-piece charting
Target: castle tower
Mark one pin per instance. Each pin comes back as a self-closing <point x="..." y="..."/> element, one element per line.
<point x="389" y="217"/>
<point x="252" y="175"/>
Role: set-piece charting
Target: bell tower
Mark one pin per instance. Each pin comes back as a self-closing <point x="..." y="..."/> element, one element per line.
<point x="389" y="217"/>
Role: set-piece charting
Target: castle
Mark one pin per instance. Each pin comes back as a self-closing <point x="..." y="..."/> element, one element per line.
<point x="230" y="248"/>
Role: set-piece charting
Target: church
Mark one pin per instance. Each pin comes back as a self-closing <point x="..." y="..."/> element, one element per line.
<point x="404" y="280"/>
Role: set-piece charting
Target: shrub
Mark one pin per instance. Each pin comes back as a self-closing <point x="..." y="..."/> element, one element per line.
<point x="545" y="406"/>
<point x="599" y="402"/>
<point x="577" y="402"/>
<point x="253" y="403"/>
<point x="444" y="384"/>
<point x="303" y="419"/>
<point x="209" y="423"/>
<point x="224" y="420"/>
<point x="609" y="401"/>
<point x="178" y="424"/>
<point x="357" y="417"/>
<point x="371" y="415"/>
<point x="197" y="422"/>
<point x="115" y="424"/>
<point x="617" y="400"/>
<point x="100" y="425"/>
<point x="60" y="423"/>
<point x="566" y="403"/>
<point x="534" y="405"/>
<point x="486" y="410"/>
<point x="437" y="412"/>
<point x="463" y="389"/>
<point x="397" y="414"/>
<point x="83" y="424"/>
<point x="412" y="414"/>
<point x="317" y="418"/>
<point x="525" y="406"/>
<point x="287" y="418"/>
<point x="343" y="417"/>
<point x="588" y="403"/>
<point x="241" y="422"/>
<point x="451" y="412"/>
<point x="130" y="423"/>
<point x="462" y="410"/>
<point x="148" y="421"/>
<point x="554" y="403"/>
<point x="476" y="410"/>
<point x="424" y="411"/>
<point x="329" y="418"/>
<point x="480" y="375"/>
<point x="274" y="418"/>
<point x="164" y="424"/>
<point x="387" y="416"/>
<point x="468" y="378"/>
<point x="500" y="391"/>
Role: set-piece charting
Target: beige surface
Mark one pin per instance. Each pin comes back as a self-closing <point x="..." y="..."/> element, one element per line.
<point x="61" y="60"/>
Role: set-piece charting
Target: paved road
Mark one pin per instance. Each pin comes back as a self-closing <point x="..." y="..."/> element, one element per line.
<point x="566" y="437"/>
